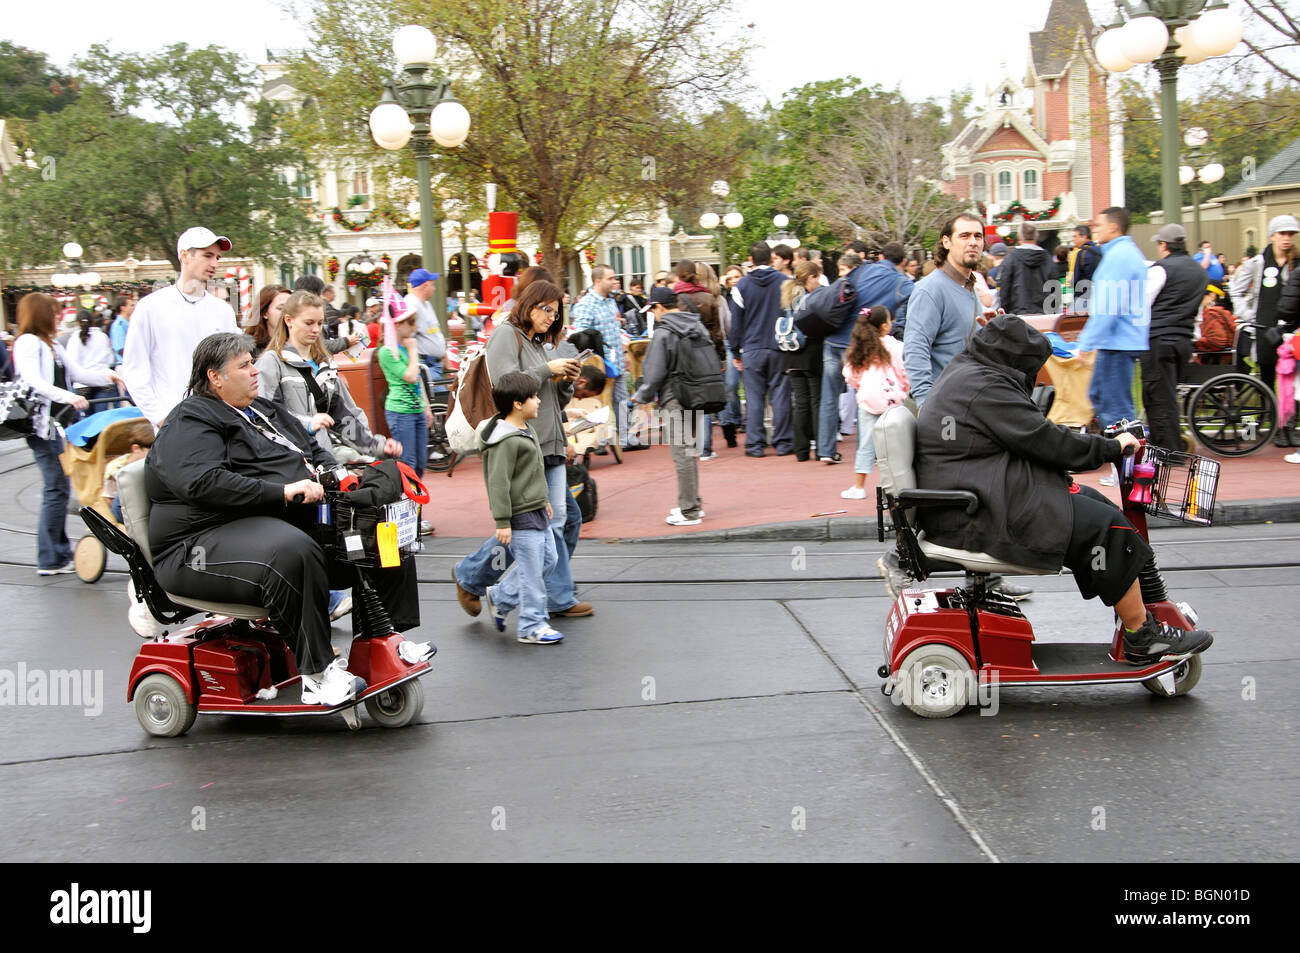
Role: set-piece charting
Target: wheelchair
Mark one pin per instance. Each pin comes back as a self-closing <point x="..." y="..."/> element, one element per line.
<point x="1229" y="413"/>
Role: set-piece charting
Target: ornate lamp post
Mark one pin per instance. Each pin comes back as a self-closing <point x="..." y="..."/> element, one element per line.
<point x="1168" y="34"/>
<point x="74" y="277"/>
<point x="422" y="111"/>
<point x="783" y="236"/>
<point x="1196" y="138"/>
<point x="731" y="220"/>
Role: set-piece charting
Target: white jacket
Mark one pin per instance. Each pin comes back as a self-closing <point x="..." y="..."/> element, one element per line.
<point x="1245" y="287"/>
<point x="96" y="352"/>
<point x="34" y="366"/>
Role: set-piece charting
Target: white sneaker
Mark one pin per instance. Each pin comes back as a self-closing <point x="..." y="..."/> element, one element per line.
<point x="1111" y="480"/>
<point x="140" y="618"/>
<point x="412" y="653"/>
<point x="58" y="570"/>
<point x="854" y="493"/>
<point x="342" y="609"/>
<point x="708" y="456"/>
<point x="1292" y="457"/>
<point x="675" y="518"/>
<point x="334" y="686"/>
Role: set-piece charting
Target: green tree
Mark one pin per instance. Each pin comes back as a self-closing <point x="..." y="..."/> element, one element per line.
<point x="584" y="112"/>
<point x="30" y="85"/>
<point x="122" y="183"/>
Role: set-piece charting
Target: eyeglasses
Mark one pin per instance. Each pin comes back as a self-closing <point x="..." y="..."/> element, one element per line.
<point x="548" y="308"/>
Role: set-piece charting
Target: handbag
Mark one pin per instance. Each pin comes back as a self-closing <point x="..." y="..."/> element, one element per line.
<point x="19" y="408"/>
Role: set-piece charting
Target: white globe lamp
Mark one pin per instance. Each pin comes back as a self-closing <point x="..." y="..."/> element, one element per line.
<point x="390" y="126"/>
<point x="733" y="220"/>
<point x="1212" y="173"/>
<point x="449" y="124"/>
<point x="710" y="221"/>
<point x="1109" y="55"/>
<point x="1143" y="39"/>
<point x="1188" y="48"/>
<point x="72" y="250"/>
<point x="414" y="45"/>
<point x="1216" y="31"/>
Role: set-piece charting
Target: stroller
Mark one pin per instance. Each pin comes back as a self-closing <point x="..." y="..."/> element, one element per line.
<point x="85" y="468"/>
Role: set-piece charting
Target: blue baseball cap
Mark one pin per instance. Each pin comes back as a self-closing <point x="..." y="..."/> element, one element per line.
<point x="420" y="276"/>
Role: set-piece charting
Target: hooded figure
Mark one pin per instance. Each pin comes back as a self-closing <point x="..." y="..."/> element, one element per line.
<point x="979" y="430"/>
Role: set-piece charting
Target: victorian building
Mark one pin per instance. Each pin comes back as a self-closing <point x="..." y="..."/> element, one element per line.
<point x="1048" y="150"/>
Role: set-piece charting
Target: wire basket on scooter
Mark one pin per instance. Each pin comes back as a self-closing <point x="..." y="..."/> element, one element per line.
<point x="1179" y="486"/>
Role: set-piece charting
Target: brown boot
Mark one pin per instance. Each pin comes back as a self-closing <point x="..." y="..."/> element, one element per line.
<point x="468" y="601"/>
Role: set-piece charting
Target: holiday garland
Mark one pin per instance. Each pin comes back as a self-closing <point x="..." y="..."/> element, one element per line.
<point x="404" y="223"/>
<point x="332" y="267"/>
<point x="1018" y="208"/>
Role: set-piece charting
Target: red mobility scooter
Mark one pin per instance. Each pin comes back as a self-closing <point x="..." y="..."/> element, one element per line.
<point x="947" y="648"/>
<point x="234" y="662"/>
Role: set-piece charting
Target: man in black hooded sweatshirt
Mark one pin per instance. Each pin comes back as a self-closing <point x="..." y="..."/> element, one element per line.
<point x="1027" y="283"/>
<point x="979" y="430"/>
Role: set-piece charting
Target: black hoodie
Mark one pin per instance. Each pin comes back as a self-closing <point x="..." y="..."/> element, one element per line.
<point x="1027" y="281"/>
<point x="980" y="431"/>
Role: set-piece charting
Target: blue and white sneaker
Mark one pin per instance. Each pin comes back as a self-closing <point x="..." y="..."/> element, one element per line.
<point x="543" y="636"/>
<point x="498" y="617"/>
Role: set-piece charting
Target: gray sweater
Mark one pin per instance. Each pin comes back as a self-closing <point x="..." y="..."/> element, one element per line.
<point x="509" y="349"/>
<point x="940" y="319"/>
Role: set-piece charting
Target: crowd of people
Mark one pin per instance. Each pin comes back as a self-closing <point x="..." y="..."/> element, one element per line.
<point x="818" y="358"/>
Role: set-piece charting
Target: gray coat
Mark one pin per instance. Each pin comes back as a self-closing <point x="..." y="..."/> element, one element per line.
<point x="510" y="349"/>
<point x="656" y="381"/>
<point x="281" y="381"/>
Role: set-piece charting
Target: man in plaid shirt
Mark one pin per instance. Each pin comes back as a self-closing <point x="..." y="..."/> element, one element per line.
<point x="598" y="310"/>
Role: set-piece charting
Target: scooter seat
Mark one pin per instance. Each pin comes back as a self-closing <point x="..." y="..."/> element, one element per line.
<point x="975" y="562"/>
<point x="233" y="609"/>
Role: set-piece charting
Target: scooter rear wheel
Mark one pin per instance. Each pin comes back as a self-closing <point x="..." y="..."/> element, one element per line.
<point x="397" y="707"/>
<point x="935" y="681"/>
<point x="161" y="707"/>
<point x="1186" y="676"/>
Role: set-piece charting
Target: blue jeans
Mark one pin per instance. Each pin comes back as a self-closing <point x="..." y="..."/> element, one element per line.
<point x="435" y="371"/>
<point x="52" y="548"/>
<point x="828" y="419"/>
<point x="865" y="458"/>
<point x="535" y="558"/>
<point x="705" y="441"/>
<point x="412" y="432"/>
<point x="731" y="413"/>
<point x="765" y="381"/>
<point x="485" y="565"/>
<point x="1111" y="390"/>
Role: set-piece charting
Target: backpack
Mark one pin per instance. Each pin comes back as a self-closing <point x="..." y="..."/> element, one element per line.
<point x="583" y="488"/>
<point x="695" y="374"/>
<point x="826" y="310"/>
<point x="788" y="335"/>
<point x="471" y="402"/>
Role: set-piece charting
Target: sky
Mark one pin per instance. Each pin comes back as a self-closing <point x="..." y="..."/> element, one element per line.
<point x="927" y="50"/>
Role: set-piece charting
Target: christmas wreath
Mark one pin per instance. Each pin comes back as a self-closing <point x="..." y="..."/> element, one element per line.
<point x="1018" y="208"/>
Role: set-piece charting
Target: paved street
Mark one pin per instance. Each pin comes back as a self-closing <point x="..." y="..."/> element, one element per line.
<point x="762" y="735"/>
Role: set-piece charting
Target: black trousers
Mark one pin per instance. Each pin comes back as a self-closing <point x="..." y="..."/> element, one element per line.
<point x="1162" y="366"/>
<point x="1105" y="551"/>
<point x="1267" y="357"/>
<point x="806" y="389"/>
<point x="271" y="562"/>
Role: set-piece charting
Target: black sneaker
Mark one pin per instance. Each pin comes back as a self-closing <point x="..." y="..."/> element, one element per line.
<point x="729" y="433"/>
<point x="1157" y="639"/>
<point x="892" y="573"/>
<point x="999" y="585"/>
<point x="833" y="458"/>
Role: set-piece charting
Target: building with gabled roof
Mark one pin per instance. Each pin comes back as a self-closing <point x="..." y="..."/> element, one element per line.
<point x="1049" y="149"/>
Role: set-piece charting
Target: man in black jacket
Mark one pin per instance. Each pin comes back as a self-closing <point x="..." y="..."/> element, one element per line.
<point x="1027" y="282"/>
<point x="1176" y="284"/>
<point x="231" y="481"/>
<point x="1085" y="257"/>
<point x="981" y="431"/>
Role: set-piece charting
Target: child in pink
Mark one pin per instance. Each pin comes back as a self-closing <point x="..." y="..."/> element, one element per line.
<point x="873" y="368"/>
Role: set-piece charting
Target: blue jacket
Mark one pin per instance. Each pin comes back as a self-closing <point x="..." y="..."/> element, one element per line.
<point x="1118" y="314"/>
<point x="755" y="305"/>
<point x="877" y="283"/>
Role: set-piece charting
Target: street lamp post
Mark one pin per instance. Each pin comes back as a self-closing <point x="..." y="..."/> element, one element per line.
<point x="75" y="276"/>
<point x="730" y="220"/>
<point x="783" y="235"/>
<point x="1168" y="34"/>
<point x="1196" y="138"/>
<point x="421" y="111"/>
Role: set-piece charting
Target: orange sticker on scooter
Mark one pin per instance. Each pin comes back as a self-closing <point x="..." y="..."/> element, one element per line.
<point x="386" y="539"/>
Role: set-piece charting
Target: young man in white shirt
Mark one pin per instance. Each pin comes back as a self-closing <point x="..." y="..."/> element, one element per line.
<point x="428" y="333"/>
<point x="169" y="324"/>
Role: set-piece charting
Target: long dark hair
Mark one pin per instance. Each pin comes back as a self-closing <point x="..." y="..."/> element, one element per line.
<point x="536" y="294"/>
<point x="259" y="332"/>
<point x="865" y="347"/>
<point x="86" y="320"/>
<point x="950" y="226"/>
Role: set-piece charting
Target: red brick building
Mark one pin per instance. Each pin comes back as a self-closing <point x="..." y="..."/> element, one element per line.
<point x="1049" y="149"/>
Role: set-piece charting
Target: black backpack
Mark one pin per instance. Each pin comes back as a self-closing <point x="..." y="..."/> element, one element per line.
<point x="694" y="372"/>
<point x="583" y="488"/>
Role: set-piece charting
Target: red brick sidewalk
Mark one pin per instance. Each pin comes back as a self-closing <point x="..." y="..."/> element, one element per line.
<point x="635" y="497"/>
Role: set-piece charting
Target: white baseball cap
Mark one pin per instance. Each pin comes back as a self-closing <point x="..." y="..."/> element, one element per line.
<point x="201" y="238"/>
<point x="371" y="302"/>
<point x="1283" y="223"/>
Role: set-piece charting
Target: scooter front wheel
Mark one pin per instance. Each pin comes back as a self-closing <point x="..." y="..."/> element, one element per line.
<point x="935" y="681"/>
<point x="1186" y="676"/>
<point x="161" y="707"/>
<point x="398" y="706"/>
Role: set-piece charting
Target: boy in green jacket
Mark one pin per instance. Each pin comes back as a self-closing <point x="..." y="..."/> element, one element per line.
<point x="517" y="495"/>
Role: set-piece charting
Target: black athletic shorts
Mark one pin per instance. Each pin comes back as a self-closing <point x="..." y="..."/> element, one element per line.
<point x="1105" y="551"/>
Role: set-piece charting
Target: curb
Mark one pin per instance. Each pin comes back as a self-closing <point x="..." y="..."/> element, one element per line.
<point x="1228" y="513"/>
